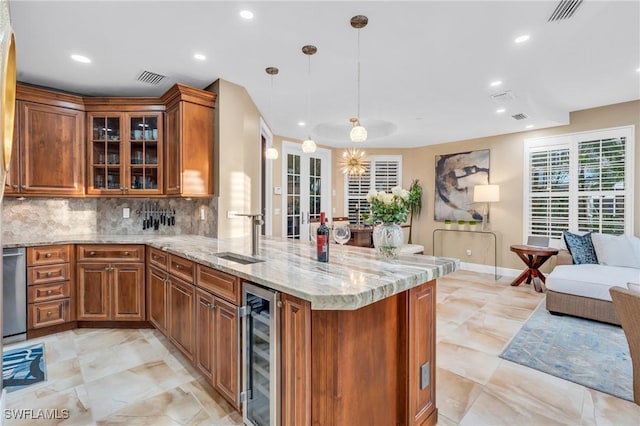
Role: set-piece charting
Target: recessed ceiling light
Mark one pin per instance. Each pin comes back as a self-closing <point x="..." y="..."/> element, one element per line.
<point x="199" y="56"/>
<point x="500" y="110"/>
<point x="80" y="58"/>
<point x="530" y="126"/>
<point x="246" y="14"/>
<point x="522" y="38"/>
<point x="638" y="70"/>
<point x="495" y="83"/>
<point x="301" y="123"/>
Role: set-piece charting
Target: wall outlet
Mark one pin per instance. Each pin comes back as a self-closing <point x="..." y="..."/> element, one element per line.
<point x="468" y="252"/>
<point x="202" y="213"/>
<point x="276" y="212"/>
<point x="126" y="213"/>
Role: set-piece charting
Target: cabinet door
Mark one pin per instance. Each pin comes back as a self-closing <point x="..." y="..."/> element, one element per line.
<point x="12" y="182"/>
<point x="205" y="333"/>
<point x="182" y="315"/>
<point x="422" y="355"/>
<point x="93" y="291"/>
<point x="51" y="150"/>
<point x="157" y="298"/>
<point x="296" y="361"/>
<point x="144" y="154"/>
<point x="226" y="353"/>
<point x="173" y="142"/>
<point x="127" y="292"/>
<point x="105" y="153"/>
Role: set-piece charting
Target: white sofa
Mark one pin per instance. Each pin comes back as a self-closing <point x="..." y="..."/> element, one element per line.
<point x="583" y="290"/>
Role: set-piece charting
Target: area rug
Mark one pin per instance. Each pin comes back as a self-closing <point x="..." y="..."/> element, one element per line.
<point x="23" y="366"/>
<point x="590" y="353"/>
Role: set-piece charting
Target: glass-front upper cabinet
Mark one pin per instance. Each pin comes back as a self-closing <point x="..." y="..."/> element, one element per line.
<point x="125" y="153"/>
<point x="144" y="173"/>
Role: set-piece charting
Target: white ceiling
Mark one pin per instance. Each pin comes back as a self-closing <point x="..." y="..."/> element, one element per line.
<point x="425" y="66"/>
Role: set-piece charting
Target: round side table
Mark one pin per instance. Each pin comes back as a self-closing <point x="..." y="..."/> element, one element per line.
<point x="534" y="258"/>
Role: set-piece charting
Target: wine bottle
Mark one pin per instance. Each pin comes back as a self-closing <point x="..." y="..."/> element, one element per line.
<point x="322" y="240"/>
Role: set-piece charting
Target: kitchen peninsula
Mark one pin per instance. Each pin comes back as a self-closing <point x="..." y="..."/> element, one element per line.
<point x="356" y="335"/>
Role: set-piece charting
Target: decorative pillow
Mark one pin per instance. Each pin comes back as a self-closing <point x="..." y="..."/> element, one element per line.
<point x="615" y="250"/>
<point x="635" y="244"/>
<point x="581" y="248"/>
<point x="634" y="287"/>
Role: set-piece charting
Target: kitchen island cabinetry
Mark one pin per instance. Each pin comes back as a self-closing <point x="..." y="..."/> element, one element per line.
<point x="110" y="283"/>
<point x="157" y="288"/>
<point x="48" y="152"/>
<point x="181" y="305"/>
<point x="189" y="141"/>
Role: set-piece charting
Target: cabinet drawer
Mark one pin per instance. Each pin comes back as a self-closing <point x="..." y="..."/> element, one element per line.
<point x="158" y="258"/>
<point x="181" y="268"/>
<point x="48" y="292"/>
<point x="47" y="255"/>
<point x="48" y="274"/>
<point x="48" y="313"/>
<point x="110" y="253"/>
<point x="219" y="283"/>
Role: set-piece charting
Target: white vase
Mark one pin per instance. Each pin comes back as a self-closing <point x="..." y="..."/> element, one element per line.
<point x="387" y="239"/>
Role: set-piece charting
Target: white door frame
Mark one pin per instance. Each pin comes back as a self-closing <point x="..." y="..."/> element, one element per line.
<point x="325" y="201"/>
<point x="268" y="185"/>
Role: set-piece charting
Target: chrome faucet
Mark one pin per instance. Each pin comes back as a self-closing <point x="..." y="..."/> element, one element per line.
<point x="257" y="222"/>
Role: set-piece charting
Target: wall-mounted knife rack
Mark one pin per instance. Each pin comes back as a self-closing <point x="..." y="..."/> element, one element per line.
<point x="153" y="217"/>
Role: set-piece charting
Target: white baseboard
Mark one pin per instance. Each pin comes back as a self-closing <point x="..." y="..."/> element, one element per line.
<point x="488" y="269"/>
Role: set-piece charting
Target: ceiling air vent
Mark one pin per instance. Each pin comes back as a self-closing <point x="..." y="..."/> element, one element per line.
<point x="151" y="78"/>
<point x="503" y="97"/>
<point x="564" y="10"/>
<point x="520" y="116"/>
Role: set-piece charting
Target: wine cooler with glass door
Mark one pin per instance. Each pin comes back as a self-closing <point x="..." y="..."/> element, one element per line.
<point x="260" y="356"/>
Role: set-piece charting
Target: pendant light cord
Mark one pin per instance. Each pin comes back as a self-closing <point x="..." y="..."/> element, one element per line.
<point x="358" y="79"/>
<point x="309" y="95"/>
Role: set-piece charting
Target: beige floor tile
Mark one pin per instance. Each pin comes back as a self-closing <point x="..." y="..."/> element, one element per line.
<point x="216" y="406"/>
<point x="444" y="420"/>
<point x="507" y="311"/>
<point x="603" y="409"/>
<point x="72" y="400"/>
<point x="484" y="332"/>
<point x="468" y="363"/>
<point x="454" y="395"/>
<point x="102" y="340"/>
<point x="456" y="309"/>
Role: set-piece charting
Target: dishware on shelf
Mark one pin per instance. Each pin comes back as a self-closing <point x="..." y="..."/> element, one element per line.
<point x="148" y="134"/>
<point x="341" y="234"/>
<point x="155" y="134"/>
<point x="137" y="134"/>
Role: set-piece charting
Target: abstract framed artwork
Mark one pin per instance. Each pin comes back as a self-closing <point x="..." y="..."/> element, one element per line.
<point x="456" y="175"/>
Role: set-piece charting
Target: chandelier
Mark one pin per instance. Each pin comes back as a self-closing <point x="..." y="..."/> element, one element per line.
<point x="353" y="162"/>
<point x="309" y="146"/>
<point x="358" y="132"/>
<point x="271" y="153"/>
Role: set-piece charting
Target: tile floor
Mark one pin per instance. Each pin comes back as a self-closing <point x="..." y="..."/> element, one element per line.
<point x="106" y="377"/>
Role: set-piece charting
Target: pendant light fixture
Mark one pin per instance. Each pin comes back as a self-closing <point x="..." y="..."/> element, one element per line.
<point x="308" y="145"/>
<point x="358" y="132"/>
<point x="271" y="153"/>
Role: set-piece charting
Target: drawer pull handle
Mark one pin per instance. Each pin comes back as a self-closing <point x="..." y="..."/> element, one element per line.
<point x="92" y="253"/>
<point x="178" y="266"/>
<point x="49" y="292"/>
<point x="154" y="257"/>
<point x="126" y="253"/>
<point x="49" y="274"/>
<point x="14" y="186"/>
<point x="49" y="313"/>
<point x="48" y="255"/>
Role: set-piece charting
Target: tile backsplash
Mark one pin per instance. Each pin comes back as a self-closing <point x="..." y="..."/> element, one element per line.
<point x="61" y="216"/>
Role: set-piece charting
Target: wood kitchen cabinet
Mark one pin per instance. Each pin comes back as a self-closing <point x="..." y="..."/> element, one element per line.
<point x="48" y="152"/>
<point x="189" y="141"/>
<point x="50" y="289"/>
<point x="182" y="316"/>
<point x="124" y="153"/>
<point x="158" y="288"/>
<point x="111" y="284"/>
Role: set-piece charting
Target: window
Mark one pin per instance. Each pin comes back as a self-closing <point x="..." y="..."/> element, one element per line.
<point x="383" y="172"/>
<point x="579" y="182"/>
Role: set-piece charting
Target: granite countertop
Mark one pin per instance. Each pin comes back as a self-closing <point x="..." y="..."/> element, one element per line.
<point x="353" y="278"/>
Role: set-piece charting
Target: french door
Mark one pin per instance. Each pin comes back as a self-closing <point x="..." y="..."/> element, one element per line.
<point x="306" y="179"/>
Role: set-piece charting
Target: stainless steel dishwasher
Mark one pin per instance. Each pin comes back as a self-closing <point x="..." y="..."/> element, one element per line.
<point x="14" y="294"/>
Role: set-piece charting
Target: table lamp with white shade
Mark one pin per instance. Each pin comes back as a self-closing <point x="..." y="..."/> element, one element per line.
<point x="486" y="194"/>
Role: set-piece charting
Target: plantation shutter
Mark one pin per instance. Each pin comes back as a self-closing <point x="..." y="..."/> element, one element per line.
<point x="601" y="185"/>
<point x="381" y="173"/>
<point x="549" y="191"/>
<point x="580" y="182"/>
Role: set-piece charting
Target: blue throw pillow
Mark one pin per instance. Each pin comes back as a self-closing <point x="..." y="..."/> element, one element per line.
<point x="581" y="248"/>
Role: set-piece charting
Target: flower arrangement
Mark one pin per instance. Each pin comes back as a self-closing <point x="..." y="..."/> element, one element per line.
<point x="389" y="207"/>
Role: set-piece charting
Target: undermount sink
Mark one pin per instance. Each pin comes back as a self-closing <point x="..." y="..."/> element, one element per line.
<point x="238" y="258"/>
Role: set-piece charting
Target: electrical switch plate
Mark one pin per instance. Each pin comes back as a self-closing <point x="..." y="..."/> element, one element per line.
<point x="277" y="190"/>
<point x="202" y="212"/>
<point x="126" y="213"/>
<point x="468" y="252"/>
<point x="276" y="212"/>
